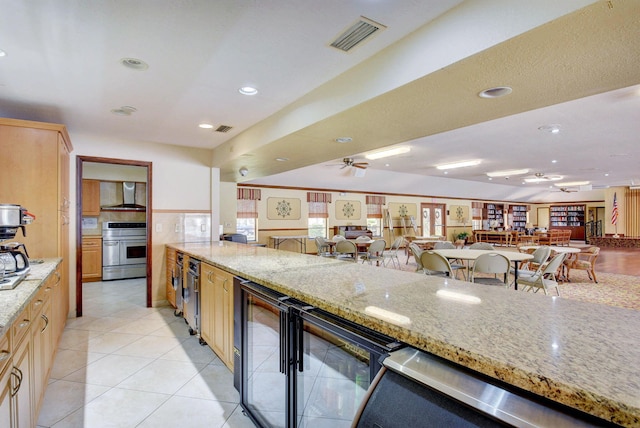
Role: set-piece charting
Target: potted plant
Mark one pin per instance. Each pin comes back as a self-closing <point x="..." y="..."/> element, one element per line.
<point x="462" y="236"/>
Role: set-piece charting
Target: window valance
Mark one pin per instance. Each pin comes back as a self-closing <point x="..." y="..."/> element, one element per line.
<point x="319" y="197"/>
<point x="249" y="194"/>
<point x="375" y="200"/>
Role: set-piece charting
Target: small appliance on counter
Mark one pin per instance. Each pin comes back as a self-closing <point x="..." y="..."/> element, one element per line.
<point x="14" y="259"/>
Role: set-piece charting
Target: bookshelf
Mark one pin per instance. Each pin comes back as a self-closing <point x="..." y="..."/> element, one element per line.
<point x="519" y="216"/>
<point x="495" y="212"/>
<point x="568" y="217"/>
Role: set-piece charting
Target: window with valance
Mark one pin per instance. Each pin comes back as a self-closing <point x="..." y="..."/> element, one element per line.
<point x="247" y="212"/>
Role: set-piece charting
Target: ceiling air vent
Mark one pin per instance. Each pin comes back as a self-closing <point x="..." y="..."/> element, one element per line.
<point x="357" y="33"/>
<point x="224" y="128"/>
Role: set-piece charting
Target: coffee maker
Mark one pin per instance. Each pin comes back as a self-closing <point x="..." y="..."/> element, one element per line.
<point x="14" y="259"/>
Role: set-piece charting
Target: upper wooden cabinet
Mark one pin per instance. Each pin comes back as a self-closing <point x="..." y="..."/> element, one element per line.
<point x="90" y="198"/>
<point x="34" y="172"/>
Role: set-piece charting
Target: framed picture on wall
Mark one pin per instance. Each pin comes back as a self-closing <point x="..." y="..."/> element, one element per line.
<point x="348" y="210"/>
<point x="283" y="209"/>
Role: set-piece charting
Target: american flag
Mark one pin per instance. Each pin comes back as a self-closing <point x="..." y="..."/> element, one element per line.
<point x="614" y="213"/>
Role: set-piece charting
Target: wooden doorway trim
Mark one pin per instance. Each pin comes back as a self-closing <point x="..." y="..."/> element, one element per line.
<point x="79" y="171"/>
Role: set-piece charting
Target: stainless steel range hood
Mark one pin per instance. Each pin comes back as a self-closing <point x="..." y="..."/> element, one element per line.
<point x="128" y="199"/>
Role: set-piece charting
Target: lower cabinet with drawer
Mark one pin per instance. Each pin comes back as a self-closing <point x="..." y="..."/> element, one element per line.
<point x="91" y="259"/>
<point x="27" y="350"/>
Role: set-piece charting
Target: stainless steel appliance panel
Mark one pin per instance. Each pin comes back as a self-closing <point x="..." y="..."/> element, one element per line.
<point x="124" y="272"/>
<point x="133" y="252"/>
<point x="191" y="298"/>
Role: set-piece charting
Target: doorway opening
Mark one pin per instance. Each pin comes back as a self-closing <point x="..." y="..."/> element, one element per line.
<point x="147" y="168"/>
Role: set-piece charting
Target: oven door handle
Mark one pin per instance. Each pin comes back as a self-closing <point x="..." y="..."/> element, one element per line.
<point x="110" y="243"/>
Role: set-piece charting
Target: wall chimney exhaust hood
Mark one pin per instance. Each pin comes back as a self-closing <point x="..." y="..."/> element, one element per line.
<point x="128" y="199"/>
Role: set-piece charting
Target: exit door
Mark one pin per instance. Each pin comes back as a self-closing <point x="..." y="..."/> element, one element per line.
<point x="433" y="219"/>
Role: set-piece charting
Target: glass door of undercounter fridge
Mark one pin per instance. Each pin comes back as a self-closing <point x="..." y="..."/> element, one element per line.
<point x="264" y="358"/>
<point x="297" y="366"/>
<point x="336" y="362"/>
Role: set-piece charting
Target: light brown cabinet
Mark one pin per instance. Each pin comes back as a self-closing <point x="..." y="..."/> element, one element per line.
<point x="216" y="311"/>
<point x="91" y="258"/>
<point x="90" y="198"/>
<point x="26" y="357"/>
<point x="170" y="272"/>
<point x="35" y="174"/>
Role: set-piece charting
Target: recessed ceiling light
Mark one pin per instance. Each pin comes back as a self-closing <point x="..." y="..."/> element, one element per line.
<point x="134" y="64"/>
<point x="459" y="164"/>
<point x="205" y="126"/>
<point x="507" y="173"/>
<point x="554" y="128"/>
<point x="554" y="161"/>
<point x="606" y="174"/>
<point x="497" y="92"/>
<point x="248" y="90"/>
<point x="343" y="140"/>
<point x="390" y="152"/>
<point x="124" y="111"/>
<point x="2" y="53"/>
<point x="282" y="159"/>
<point x="572" y="183"/>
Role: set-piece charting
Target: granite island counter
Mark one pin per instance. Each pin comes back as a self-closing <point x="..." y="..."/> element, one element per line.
<point x="582" y="355"/>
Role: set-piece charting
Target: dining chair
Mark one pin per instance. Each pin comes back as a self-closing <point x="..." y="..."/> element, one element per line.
<point x="375" y="252"/>
<point x="435" y="264"/>
<point x="481" y="246"/>
<point x="545" y="278"/>
<point x="392" y="254"/>
<point x="540" y="257"/>
<point x="490" y="263"/>
<point x="338" y="238"/>
<point x="416" y="251"/>
<point x="584" y="260"/>
<point x="346" y="250"/>
<point x="324" y="249"/>
<point x="457" y="265"/>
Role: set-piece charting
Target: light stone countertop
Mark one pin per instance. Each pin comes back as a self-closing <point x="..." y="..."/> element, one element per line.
<point x="583" y="355"/>
<point x="12" y="302"/>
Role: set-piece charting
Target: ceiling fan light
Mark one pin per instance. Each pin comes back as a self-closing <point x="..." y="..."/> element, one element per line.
<point x="462" y="164"/>
<point x="544" y="178"/>
<point x="507" y="173"/>
<point x="390" y="152"/>
<point x="572" y="184"/>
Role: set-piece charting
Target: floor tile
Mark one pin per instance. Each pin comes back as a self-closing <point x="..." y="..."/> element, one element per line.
<point x="212" y="383"/>
<point x="110" y="370"/>
<point x="198" y="412"/>
<point x="63" y="397"/>
<point x="68" y="361"/>
<point x="162" y="376"/>
<point x="115" y="408"/>
<point x="149" y="346"/>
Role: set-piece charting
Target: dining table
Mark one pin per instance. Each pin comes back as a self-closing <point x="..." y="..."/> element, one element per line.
<point x="470" y="255"/>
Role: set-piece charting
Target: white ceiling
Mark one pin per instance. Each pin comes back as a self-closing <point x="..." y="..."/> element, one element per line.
<point x="414" y="83"/>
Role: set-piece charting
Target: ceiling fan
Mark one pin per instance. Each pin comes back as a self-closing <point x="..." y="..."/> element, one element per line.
<point x="567" y="190"/>
<point x="351" y="162"/>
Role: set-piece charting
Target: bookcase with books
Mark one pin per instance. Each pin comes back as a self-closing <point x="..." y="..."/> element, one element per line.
<point x="495" y="212"/>
<point x="518" y="217"/>
<point x="568" y="217"/>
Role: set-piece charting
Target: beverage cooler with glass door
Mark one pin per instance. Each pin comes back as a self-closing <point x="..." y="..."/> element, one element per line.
<point x="296" y="365"/>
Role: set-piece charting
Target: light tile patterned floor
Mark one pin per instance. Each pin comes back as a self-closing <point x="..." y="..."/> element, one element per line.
<point x="124" y="365"/>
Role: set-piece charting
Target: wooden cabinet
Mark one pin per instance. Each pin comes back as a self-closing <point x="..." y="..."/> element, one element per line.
<point x="568" y="217"/>
<point x="5" y="391"/>
<point x="90" y="198"/>
<point x="91" y="258"/>
<point x="22" y="410"/>
<point x="216" y="303"/>
<point x="42" y="338"/>
<point x="35" y="174"/>
<point x="170" y="273"/>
